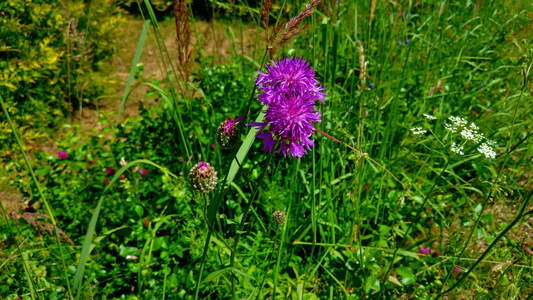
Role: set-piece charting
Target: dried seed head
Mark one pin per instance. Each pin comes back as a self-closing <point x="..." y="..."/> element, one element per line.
<point x="203" y="177"/>
<point x="228" y="135"/>
<point x="278" y="217"/>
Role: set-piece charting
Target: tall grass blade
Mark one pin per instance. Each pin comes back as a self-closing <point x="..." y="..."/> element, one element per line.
<point x="133" y="68"/>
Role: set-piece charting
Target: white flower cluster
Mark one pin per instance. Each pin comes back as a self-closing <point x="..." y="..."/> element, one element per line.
<point x="457" y="149"/>
<point x="457" y="123"/>
<point x="470" y="133"/>
<point x="418" y="130"/>
<point x="430" y="117"/>
<point x="487" y="149"/>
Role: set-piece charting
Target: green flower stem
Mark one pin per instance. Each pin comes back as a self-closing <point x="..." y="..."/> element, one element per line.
<point x="243" y="221"/>
<point x="280" y="252"/>
<point x="41" y="195"/>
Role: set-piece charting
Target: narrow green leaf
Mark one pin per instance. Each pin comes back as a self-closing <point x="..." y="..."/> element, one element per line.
<point x="133" y="68"/>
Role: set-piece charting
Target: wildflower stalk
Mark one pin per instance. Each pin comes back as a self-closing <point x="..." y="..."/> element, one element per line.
<point x="243" y="221"/>
<point x="41" y="195"/>
<point x="486" y="200"/>
<point x="280" y="251"/>
<point x="363" y="155"/>
<point x="426" y="198"/>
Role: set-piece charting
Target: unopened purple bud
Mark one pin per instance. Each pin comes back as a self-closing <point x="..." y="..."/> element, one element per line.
<point x="143" y="172"/>
<point x="407" y="43"/>
<point x="92" y="162"/>
<point x="62" y="155"/>
<point x="110" y="171"/>
<point x="371" y="86"/>
<point x="228" y="135"/>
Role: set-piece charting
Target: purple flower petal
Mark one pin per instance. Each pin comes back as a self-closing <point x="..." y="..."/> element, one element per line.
<point x="62" y="155"/>
<point x="423" y="251"/>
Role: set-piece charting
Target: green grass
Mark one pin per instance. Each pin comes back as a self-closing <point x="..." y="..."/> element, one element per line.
<point x="359" y="206"/>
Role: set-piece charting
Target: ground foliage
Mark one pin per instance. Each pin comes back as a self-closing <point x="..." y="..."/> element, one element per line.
<point x="384" y="65"/>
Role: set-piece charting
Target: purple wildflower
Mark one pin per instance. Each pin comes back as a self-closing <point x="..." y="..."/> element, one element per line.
<point x="400" y="42"/>
<point x="287" y="76"/>
<point x="291" y="120"/>
<point x="407" y="43"/>
<point x="423" y="251"/>
<point x="371" y="86"/>
<point x="457" y="270"/>
<point x="110" y="171"/>
<point x="62" y="155"/>
<point x="143" y="172"/>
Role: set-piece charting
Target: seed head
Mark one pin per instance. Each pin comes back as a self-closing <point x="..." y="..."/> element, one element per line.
<point x="203" y="177"/>
<point x="229" y="136"/>
<point x="278" y="217"/>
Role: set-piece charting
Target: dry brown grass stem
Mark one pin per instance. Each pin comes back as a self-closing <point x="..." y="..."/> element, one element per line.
<point x="183" y="35"/>
<point x="362" y="65"/>
<point x="292" y="28"/>
<point x="372" y="9"/>
<point x="265" y="13"/>
<point x="15" y="209"/>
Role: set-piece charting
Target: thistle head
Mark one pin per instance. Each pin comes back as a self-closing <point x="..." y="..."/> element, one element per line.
<point x="203" y="177"/>
<point x="279" y="217"/>
<point x="228" y="135"/>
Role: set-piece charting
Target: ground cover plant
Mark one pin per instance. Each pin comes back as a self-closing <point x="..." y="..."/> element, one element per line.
<point x="321" y="150"/>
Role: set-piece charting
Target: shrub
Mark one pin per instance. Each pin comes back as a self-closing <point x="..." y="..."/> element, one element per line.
<point x="50" y="51"/>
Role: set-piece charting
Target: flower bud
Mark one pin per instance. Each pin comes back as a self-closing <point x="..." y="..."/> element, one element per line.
<point x="229" y="136"/>
<point x="278" y="217"/>
<point x="203" y="177"/>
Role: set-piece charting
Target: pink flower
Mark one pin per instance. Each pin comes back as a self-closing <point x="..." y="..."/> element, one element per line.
<point x="423" y="251"/>
<point x="489" y="110"/>
<point x="110" y="171"/>
<point x="213" y="146"/>
<point x="143" y="172"/>
<point x="62" y="155"/>
<point x="92" y="162"/>
<point x="457" y="270"/>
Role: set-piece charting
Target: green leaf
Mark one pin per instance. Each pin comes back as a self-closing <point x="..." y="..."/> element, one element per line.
<point x="125" y="251"/>
<point x="407" y="275"/>
<point x="372" y="284"/>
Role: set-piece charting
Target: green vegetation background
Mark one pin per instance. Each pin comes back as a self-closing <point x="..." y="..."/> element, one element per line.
<point x="346" y="216"/>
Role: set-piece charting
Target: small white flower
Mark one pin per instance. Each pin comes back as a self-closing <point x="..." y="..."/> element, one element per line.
<point x="132" y="257"/>
<point x="430" y="117"/>
<point x="487" y="150"/>
<point x="457" y="123"/>
<point x="418" y="130"/>
<point x="457" y="149"/>
<point x="123" y="161"/>
<point x="472" y="135"/>
<point x="136" y="168"/>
